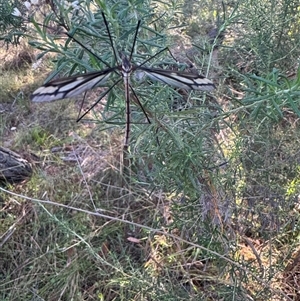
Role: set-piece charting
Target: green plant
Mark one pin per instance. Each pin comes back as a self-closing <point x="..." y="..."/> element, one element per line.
<point x="174" y="136"/>
<point x="272" y="96"/>
<point x="13" y="23"/>
<point x="210" y="210"/>
<point x="266" y="33"/>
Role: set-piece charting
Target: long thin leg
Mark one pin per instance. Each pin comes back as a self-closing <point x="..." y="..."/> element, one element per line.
<point x="140" y="105"/>
<point x="134" y="40"/>
<point x="110" y="38"/>
<point x="88" y="50"/>
<point x="150" y="58"/>
<point x="147" y="114"/>
<point x="104" y="94"/>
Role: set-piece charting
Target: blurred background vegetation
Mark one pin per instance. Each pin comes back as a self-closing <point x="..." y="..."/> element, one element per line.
<point x="211" y="208"/>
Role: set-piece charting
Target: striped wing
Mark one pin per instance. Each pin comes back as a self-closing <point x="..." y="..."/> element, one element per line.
<point x="183" y="80"/>
<point x="70" y="86"/>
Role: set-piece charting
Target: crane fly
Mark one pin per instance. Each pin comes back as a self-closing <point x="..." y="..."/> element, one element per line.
<point x="74" y="85"/>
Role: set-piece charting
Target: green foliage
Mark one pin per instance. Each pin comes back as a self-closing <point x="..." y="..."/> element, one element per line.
<point x="267" y="33"/>
<point x="211" y="210"/>
<point x="12" y="25"/>
<point x="177" y="138"/>
<point x="272" y="95"/>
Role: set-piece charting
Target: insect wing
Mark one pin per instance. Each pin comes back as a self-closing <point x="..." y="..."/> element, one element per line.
<point x="183" y="80"/>
<point x="70" y="86"/>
